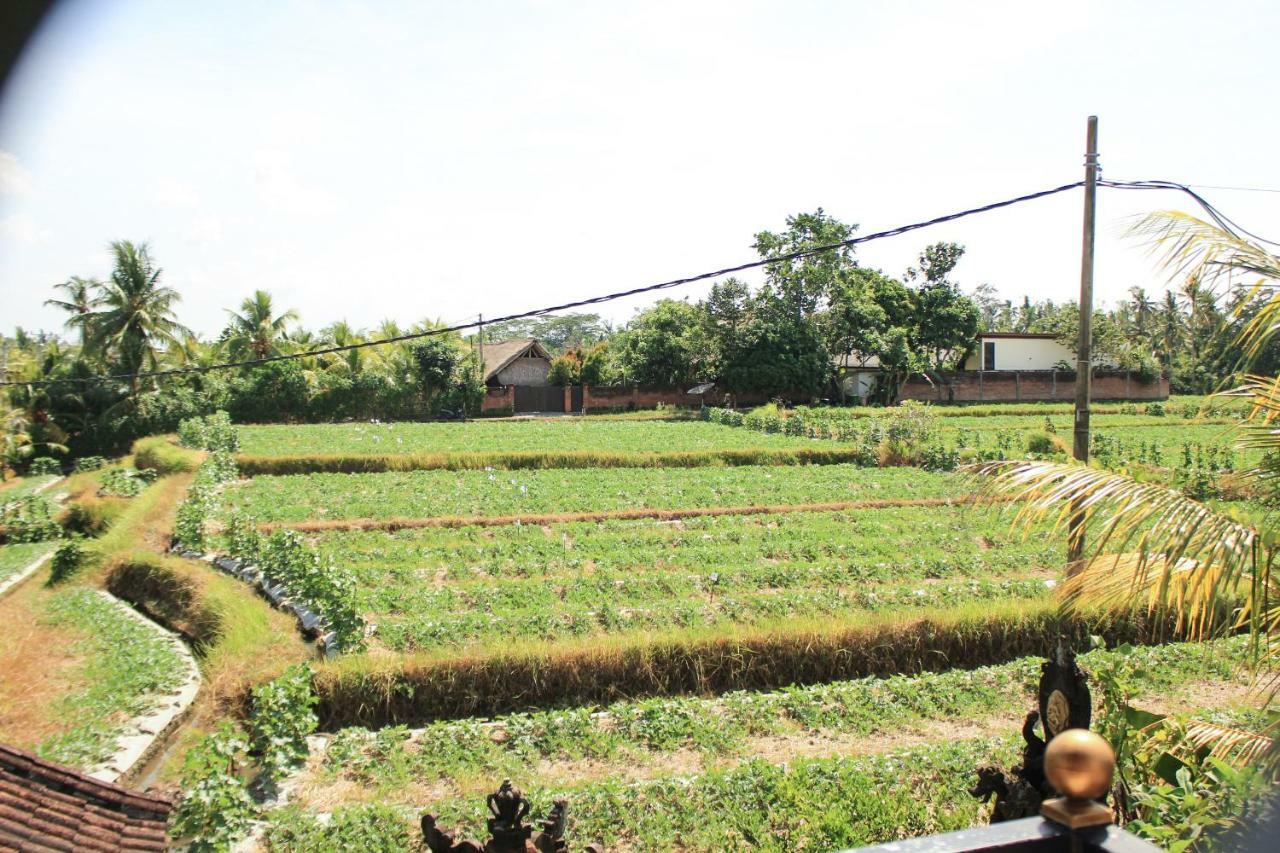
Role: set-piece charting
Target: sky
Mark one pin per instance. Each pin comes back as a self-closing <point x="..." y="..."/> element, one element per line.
<point x="364" y="161"/>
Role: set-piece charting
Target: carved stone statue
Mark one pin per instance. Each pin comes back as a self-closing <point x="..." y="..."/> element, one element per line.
<point x="507" y="830"/>
<point x="1063" y="703"/>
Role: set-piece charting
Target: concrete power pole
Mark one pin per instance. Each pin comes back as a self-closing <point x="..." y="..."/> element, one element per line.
<point x="1084" y="345"/>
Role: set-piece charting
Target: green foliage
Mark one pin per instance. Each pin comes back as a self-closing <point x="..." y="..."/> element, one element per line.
<point x="210" y="432"/>
<point x="89" y="463"/>
<point x="43" y="466"/>
<point x="662" y="346"/>
<point x="125" y="667"/>
<point x="29" y="518"/>
<point x="70" y="557"/>
<point x="418" y="494"/>
<point x="329" y="590"/>
<point x="281" y="718"/>
<point x="124" y="482"/>
<point x="215" y="809"/>
<point x="374" y="827"/>
<point x="201" y="500"/>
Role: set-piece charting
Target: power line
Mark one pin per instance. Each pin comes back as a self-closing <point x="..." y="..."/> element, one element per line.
<point x="596" y="300"/>
<point x="1221" y="219"/>
<point x="1235" y="189"/>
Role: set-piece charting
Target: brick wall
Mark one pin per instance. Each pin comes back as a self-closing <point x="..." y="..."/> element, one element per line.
<point x="998" y="386"/>
<point x="499" y="399"/>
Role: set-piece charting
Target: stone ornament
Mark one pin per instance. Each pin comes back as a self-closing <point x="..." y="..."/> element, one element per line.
<point x="508" y="833"/>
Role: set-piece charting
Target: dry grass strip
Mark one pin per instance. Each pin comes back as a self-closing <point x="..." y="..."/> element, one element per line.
<point x="392" y="524"/>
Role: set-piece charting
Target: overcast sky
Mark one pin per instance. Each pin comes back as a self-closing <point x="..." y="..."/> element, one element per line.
<point x="376" y="160"/>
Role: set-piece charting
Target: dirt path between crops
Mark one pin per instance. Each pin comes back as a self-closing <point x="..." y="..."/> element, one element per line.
<point x="390" y="524"/>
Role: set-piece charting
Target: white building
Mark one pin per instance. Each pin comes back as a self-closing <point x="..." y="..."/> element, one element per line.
<point x="1019" y="351"/>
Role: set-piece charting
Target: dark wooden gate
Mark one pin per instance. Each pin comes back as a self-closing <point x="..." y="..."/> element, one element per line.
<point x="531" y="398"/>
<point x="575" y="404"/>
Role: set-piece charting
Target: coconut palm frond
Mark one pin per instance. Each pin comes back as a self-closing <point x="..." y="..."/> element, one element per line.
<point x="1239" y="747"/>
<point x="1187" y="246"/>
<point x="1174" y="551"/>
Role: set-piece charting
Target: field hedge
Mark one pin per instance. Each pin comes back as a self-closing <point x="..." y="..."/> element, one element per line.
<point x="170" y="592"/>
<point x="257" y="465"/>
<point x="374" y="692"/>
<point x="158" y="453"/>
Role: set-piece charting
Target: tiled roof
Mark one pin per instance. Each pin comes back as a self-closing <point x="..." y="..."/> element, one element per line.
<point x="45" y="806"/>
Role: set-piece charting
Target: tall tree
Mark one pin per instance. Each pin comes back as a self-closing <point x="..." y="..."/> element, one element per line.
<point x="805" y="283"/>
<point x="257" y="331"/>
<point x="134" y="320"/>
<point x="81" y="298"/>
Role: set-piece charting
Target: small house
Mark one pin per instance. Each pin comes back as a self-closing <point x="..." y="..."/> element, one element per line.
<point x="517" y="362"/>
<point x="1019" y="351"/>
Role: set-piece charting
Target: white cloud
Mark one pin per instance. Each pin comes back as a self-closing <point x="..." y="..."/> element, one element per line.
<point x="174" y="193"/>
<point x="15" y="181"/>
<point x="21" y="228"/>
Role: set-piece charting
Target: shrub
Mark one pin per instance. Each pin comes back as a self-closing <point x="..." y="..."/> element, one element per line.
<point x="765" y="419"/>
<point x="370" y="827"/>
<point x="215" y="809"/>
<point x="283" y="715"/>
<point x="1155" y="409"/>
<point x="70" y="557"/>
<point x="124" y="482"/>
<point x="31" y="518"/>
<point x="44" y="466"/>
<point x="200" y="502"/>
<point x="1044" y="444"/>
<point x="211" y="432"/>
<point x="286" y="558"/>
<point x="90" y="516"/>
<point x="162" y="456"/>
<point x="89" y="463"/>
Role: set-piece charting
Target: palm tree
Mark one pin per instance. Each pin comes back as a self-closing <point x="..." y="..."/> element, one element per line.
<point x="134" y="319"/>
<point x="79" y="304"/>
<point x="257" y="331"/>
<point x="341" y="334"/>
<point x="1143" y="310"/>
<point x="1152" y="546"/>
<point x="1171" y="324"/>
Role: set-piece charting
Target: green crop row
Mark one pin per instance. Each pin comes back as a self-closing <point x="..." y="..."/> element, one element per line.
<point x="809" y="804"/>
<point x="499" y="437"/>
<point x="125" y="667"/>
<point x="641" y="733"/>
<point x="16" y="557"/>
<point x="493" y="493"/>
<point x="744" y="551"/>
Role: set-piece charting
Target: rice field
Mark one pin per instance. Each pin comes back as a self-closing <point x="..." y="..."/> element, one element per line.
<point x="548" y="434"/>
<point x="782" y="656"/>
<point x="418" y="494"/>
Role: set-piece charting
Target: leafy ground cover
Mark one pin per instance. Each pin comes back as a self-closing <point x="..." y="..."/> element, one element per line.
<point x="507" y="436"/>
<point x="427" y="587"/>
<point x="25" y="486"/>
<point x="701" y="773"/>
<point x="16" y="557"/>
<point x="77" y="670"/>
<point x="478" y="493"/>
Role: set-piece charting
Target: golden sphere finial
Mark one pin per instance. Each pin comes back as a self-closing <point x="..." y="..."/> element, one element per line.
<point x="1079" y="764"/>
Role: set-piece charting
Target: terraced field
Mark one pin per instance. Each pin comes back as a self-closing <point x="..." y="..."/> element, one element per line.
<point x="418" y="494"/>
<point x="896" y="755"/>
<point x="578" y="434"/>
<point x="443" y="586"/>
<point x="784" y="656"/>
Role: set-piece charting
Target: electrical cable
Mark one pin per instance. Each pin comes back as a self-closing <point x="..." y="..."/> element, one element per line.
<point x="1218" y="217"/>
<point x="596" y="300"/>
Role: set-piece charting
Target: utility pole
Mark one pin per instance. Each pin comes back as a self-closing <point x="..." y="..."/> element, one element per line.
<point x="1084" y="345"/>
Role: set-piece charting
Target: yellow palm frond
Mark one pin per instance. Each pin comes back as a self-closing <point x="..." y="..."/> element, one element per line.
<point x="1150" y="544"/>
<point x="1239" y="747"/>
